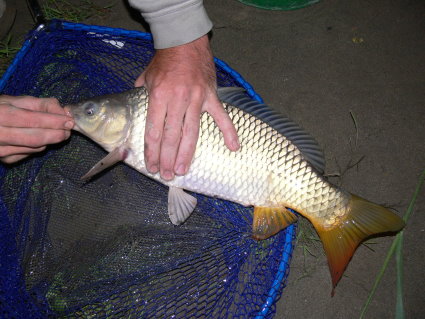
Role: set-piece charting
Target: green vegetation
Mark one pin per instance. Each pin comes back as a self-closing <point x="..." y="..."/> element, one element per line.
<point x="397" y="248"/>
<point x="309" y="242"/>
<point x="7" y="52"/>
<point x="64" y="10"/>
<point x="53" y="9"/>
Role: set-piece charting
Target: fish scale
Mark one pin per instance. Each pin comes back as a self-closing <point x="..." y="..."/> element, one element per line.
<point x="217" y="171"/>
<point x="269" y="171"/>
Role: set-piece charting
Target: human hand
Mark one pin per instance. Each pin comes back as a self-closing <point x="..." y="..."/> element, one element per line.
<point x="181" y="82"/>
<point x="28" y="124"/>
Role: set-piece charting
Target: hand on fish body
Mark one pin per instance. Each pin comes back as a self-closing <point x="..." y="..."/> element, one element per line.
<point x="181" y="82"/>
<point x="269" y="172"/>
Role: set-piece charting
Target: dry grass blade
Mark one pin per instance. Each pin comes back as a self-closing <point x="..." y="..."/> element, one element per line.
<point x="355" y="126"/>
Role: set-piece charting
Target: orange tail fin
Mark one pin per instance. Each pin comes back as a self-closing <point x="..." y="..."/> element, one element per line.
<point x="363" y="220"/>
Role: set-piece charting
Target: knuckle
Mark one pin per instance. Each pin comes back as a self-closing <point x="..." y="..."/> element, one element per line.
<point x="181" y="93"/>
<point x="52" y="103"/>
<point x="197" y="94"/>
<point x="30" y="121"/>
<point x="18" y="117"/>
<point x="190" y="130"/>
<point x="171" y="138"/>
<point x="34" y="140"/>
<point x="52" y="100"/>
<point x="31" y="100"/>
<point x="157" y="94"/>
<point x="152" y="136"/>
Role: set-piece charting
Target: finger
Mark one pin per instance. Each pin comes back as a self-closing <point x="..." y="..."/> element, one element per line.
<point x="155" y="119"/>
<point x="170" y="142"/>
<point x="7" y="151"/>
<point x="225" y="124"/>
<point x="13" y="158"/>
<point x="31" y="137"/>
<point x="49" y="105"/>
<point x="12" y="116"/>
<point x="190" y="133"/>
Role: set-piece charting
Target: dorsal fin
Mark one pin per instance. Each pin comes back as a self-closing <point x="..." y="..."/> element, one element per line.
<point x="306" y="144"/>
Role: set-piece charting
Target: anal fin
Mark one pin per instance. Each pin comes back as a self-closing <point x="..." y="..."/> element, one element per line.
<point x="180" y="205"/>
<point x="268" y="221"/>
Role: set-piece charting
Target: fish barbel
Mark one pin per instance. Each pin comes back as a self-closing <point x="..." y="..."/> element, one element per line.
<point x="268" y="172"/>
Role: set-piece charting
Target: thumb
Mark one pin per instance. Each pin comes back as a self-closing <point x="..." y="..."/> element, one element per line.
<point x="140" y="81"/>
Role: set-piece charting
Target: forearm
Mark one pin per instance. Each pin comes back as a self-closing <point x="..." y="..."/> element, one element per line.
<point x="174" y="22"/>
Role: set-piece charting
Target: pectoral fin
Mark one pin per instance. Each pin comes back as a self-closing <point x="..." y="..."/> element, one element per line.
<point x="180" y="205"/>
<point x="117" y="155"/>
<point x="270" y="220"/>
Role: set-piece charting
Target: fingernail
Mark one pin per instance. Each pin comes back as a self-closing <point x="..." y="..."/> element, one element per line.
<point x="69" y="125"/>
<point x="167" y="175"/>
<point x="181" y="169"/>
<point x="153" y="169"/>
<point x="235" y="145"/>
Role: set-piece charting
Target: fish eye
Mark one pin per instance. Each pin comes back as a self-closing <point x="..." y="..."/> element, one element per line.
<point x="90" y="108"/>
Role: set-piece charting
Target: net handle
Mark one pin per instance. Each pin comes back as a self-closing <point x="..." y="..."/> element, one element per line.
<point x="36" y="12"/>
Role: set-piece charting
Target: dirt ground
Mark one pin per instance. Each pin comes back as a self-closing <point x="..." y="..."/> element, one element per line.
<point x="324" y="66"/>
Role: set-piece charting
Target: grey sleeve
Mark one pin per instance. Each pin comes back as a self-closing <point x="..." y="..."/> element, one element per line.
<point x="174" y="22"/>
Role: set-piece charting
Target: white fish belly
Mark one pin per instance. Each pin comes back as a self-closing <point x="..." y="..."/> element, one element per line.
<point x="247" y="176"/>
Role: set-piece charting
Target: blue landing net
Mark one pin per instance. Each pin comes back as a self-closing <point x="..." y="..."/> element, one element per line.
<point x="106" y="249"/>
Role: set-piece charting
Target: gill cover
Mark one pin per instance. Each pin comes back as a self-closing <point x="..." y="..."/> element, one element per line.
<point x="104" y="119"/>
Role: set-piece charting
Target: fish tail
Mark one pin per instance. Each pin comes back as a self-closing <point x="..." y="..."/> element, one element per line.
<point x="363" y="220"/>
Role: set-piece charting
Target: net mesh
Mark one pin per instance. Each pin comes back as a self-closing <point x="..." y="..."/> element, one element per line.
<point x="107" y="248"/>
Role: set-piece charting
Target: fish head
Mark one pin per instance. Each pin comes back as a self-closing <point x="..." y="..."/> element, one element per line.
<point x="106" y="120"/>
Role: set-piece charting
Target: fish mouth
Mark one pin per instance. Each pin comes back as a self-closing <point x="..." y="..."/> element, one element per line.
<point x="68" y="111"/>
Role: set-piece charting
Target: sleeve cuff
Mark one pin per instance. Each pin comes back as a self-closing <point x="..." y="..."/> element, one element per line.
<point x="177" y="27"/>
